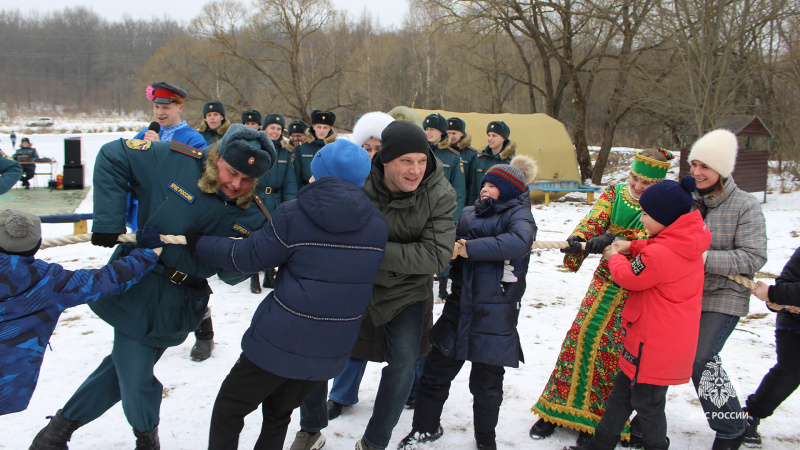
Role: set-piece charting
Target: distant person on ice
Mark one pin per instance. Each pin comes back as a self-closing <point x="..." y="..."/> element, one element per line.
<point x="661" y="318"/>
<point x="328" y="244"/>
<point x="33" y="294"/>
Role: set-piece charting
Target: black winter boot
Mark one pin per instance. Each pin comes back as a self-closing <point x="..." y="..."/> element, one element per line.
<point x="443" y="287"/>
<point x="269" y="278"/>
<point x="147" y="440"/>
<point x="56" y="434"/>
<point x="255" y="284"/>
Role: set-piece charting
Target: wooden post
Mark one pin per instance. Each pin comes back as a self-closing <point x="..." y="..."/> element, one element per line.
<point x="81" y="227"/>
<point x="590" y="197"/>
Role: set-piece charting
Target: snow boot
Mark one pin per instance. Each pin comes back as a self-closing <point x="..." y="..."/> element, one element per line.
<point x="56" y="434"/>
<point x="443" y="287"/>
<point x="542" y="429"/>
<point x="728" y="444"/>
<point x="306" y="440"/>
<point x="255" y="284"/>
<point x="147" y="440"/>
<point x="269" y="278"/>
<point x="334" y="409"/>
<point x="419" y="437"/>
<point x="204" y="345"/>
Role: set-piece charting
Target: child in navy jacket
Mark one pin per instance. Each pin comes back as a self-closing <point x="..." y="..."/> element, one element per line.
<point x="479" y="320"/>
<point x="661" y="318"/>
<point x="33" y="294"/>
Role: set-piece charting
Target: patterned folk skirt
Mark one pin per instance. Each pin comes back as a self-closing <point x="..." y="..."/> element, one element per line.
<point x="576" y="393"/>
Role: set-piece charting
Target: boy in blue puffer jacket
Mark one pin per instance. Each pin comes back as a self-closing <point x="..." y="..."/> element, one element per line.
<point x="479" y="319"/>
<point x="34" y="293"/>
<point x="328" y="245"/>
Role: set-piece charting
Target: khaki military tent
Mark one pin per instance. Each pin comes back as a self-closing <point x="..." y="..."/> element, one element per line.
<point x="539" y="136"/>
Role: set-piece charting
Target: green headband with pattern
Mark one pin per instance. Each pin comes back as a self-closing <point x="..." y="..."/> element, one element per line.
<point x="651" y="169"/>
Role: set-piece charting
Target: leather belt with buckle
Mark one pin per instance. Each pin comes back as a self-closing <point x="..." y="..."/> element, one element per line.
<point x="178" y="277"/>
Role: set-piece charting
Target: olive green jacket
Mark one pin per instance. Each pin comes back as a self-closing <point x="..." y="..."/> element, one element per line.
<point x="421" y="238"/>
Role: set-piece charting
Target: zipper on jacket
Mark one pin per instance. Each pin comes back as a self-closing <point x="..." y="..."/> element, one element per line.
<point x="638" y="365"/>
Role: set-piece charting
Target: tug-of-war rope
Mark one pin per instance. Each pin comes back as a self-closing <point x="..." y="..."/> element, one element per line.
<point x="537" y="245"/>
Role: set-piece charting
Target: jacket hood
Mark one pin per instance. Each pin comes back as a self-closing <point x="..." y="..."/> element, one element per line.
<point x="688" y="236"/>
<point x="505" y="153"/>
<point x="335" y="205"/>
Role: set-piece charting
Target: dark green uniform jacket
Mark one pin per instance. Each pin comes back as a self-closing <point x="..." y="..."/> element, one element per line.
<point x="10" y="173"/>
<point x="156" y="311"/>
<point x="305" y="153"/>
<point x="421" y="238"/>
<point x="467" y="155"/>
<point x="279" y="184"/>
<point x="453" y="168"/>
<point x="483" y="162"/>
<point x="212" y="136"/>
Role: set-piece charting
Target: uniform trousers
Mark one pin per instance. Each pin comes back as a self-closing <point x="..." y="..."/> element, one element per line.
<point x="126" y="375"/>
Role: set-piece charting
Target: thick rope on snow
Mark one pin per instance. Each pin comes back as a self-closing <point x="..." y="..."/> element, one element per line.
<point x="129" y="237"/>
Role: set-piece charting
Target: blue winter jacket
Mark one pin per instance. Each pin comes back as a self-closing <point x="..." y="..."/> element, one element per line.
<point x="181" y="132"/>
<point x="479" y="319"/>
<point x="328" y="245"/>
<point x="33" y="294"/>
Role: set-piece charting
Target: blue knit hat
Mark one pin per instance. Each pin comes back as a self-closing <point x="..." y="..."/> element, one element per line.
<point x="341" y="159"/>
<point x="667" y="200"/>
<point x="508" y="179"/>
<point x="247" y="150"/>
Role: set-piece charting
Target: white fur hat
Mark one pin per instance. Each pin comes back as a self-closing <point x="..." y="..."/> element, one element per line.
<point x="716" y="149"/>
<point x="370" y="125"/>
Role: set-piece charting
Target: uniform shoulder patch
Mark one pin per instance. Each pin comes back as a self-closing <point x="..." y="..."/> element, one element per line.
<point x="138" y="144"/>
<point x="241" y="229"/>
<point x="186" y="195"/>
<point x="637" y="265"/>
<point x="185" y="149"/>
<point x="454" y="152"/>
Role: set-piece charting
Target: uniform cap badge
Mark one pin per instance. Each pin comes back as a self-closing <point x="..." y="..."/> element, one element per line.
<point x="251" y="161"/>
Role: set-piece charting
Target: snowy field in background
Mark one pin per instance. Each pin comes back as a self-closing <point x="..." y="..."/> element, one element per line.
<point x="81" y="341"/>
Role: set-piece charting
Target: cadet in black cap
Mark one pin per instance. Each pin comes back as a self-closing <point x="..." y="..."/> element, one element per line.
<point x="460" y="142"/>
<point x="321" y="134"/>
<point x="214" y="123"/>
<point x="297" y="134"/>
<point x="252" y="118"/>
<point x="167" y="107"/>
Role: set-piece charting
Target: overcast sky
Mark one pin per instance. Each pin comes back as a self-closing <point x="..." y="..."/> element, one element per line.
<point x="388" y="12"/>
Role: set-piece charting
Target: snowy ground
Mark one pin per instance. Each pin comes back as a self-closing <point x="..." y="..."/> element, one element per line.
<point x="81" y="340"/>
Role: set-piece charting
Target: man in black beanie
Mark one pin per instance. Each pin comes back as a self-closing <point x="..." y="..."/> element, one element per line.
<point x="407" y="184"/>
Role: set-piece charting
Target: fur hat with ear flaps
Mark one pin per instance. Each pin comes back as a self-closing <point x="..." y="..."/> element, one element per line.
<point x="512" y="179"/>
<point x="716" y="149"/>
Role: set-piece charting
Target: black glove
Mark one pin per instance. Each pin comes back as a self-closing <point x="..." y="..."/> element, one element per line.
<point x="108" y="240"/>
<point x="148" y="237"/>
<point x="575" y="246"/>
<point x="599" y="243"/>
<point x="191" y="240"/>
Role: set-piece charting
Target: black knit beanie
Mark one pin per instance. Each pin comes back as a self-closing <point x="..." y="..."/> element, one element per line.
<point x="667" y="200"/>
<point x="401" y="137"/>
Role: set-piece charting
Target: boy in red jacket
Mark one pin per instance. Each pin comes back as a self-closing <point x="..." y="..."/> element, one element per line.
<point x="661" y="318"/>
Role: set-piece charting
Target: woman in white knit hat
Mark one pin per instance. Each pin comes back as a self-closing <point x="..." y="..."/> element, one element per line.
<point x="738" y="246"/>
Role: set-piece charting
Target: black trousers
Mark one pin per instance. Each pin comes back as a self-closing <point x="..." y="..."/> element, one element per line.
<point x="27" y="172"/>
<point x="247" y="386"/>
<point x="485" y="384"/>
<point x="648" y="400"/>
<point x="781" y="380"/>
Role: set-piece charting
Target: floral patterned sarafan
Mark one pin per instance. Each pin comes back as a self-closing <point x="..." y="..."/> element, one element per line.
<point x="576" y="393"/>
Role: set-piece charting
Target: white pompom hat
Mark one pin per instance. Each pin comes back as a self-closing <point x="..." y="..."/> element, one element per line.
<point x="716" y="149"/>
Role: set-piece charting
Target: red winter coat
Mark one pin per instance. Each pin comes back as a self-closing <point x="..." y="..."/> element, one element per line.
<point x="661" y="318"/>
